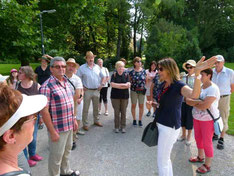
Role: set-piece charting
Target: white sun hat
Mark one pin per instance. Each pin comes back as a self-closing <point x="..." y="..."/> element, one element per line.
<point x="3" y="78"/>
<point x="29" y="105"/>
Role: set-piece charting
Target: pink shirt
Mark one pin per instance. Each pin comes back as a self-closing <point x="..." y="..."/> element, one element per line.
<point x="152" y="75"/>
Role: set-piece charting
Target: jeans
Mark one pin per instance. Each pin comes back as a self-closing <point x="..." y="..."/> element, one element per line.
<point x="33" y="145"/>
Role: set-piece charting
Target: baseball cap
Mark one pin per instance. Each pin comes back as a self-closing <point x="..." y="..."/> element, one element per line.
<point x="220" y="58"/>
<point x="13" y="70"/>
<point x="29" y="105"/>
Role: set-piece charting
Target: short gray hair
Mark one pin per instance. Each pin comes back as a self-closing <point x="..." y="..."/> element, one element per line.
<point x="57" y="58"/>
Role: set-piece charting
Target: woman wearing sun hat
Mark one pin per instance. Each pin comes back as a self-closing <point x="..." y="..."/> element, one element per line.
<point x="186" y="110"/>
<point x="17" y="120"/>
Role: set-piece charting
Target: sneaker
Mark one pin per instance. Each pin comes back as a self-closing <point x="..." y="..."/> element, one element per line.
<point x="106" y="113"/>
<point x="140" y="123"/>
<point x="123" y="130"/>
<point x="134" y="123"/>
<point x="220" y="144"/>
<point x="148" y="114"/>
<point x="188" y="142"/>
<point x="80" y="132"/>
<point x="40" y="126"/>
<point x="99" y="112"/>
<point x="180" y="139"/>
<point x="32" y="163"/>
<point x="215" y="137"/>
<point x="153" y="116"/>
<point x="73" y="146"/>
<point x="36" y="158"/>
<point x="116" y="130"/>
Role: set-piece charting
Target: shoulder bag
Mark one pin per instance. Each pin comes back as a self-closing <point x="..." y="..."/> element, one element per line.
<point x="218" y="123"/>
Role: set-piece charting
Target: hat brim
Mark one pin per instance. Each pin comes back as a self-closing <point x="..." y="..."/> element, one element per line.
<point x="30" y="105"/>
<point x="186" y="63"/>
<point x="3" y="78"/>
<point x="43" y="58"/>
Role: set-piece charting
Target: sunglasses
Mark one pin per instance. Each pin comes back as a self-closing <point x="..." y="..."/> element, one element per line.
<point x="189" y="67"/>
<point x="59" y="66"/>
<point x="138" y="61"/>
<point x="32" y="119"/>
<point x="160" y="69"/>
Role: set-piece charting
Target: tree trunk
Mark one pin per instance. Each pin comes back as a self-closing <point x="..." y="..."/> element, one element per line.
<point x="141" y="39"/>
<point x="119" y="42"/>
<point x="134" y="31"/>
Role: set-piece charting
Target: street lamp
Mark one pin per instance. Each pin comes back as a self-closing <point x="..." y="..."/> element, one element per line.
<point x="42" y="37"/>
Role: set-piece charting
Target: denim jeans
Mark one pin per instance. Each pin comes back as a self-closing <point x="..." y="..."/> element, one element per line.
<point x="31" y="149"/>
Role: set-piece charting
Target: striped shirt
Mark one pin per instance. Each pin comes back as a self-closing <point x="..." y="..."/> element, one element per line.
<point x="60" y="103"/>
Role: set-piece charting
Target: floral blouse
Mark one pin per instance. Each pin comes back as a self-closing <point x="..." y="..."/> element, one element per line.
<point x="137" y="79"/>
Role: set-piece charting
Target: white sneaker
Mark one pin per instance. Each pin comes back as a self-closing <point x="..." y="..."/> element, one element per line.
<point x="80" y="132"/>
<point x="116" y="130"/>
<point x="123" y="130"/>
<point x="99" y="112"/>
<point x="180" y="139"/>
<point x="188" y="142"/>
<point x="106" y="113"/>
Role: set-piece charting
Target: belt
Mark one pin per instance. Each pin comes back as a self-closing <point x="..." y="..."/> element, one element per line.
<point x="91" y="89"/>
<point x="223" y="96"/>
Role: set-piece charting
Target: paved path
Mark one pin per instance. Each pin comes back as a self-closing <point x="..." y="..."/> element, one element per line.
<point x="101" y="152"/>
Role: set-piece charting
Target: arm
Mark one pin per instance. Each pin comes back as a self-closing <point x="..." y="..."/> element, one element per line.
<point x="232" y="88"/>
<point x="120" y="85"/>
<point x="201" y="65"/>
<point x="192" y="102"/>
<point x="151" y="91"/>
<point x="48" y="122"/>
<point x="206" y="103"/>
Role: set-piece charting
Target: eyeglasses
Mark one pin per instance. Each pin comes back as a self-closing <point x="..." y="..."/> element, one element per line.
<point x="32" y="119"/>
<point x="138" y="61"/>
<point x="189" y="68"/>
<point x="59" y="66"/>
<point x="160" y="69"/>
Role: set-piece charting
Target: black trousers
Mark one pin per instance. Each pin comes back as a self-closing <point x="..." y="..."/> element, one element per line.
<point x="103" y="95"/>
<point x="186" y="116"/>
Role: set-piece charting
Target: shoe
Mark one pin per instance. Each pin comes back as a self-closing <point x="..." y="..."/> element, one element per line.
<point x="215" y="137"/>
<point x="74" y="173"/>
<point x="123" y="130"/>
<point x="32" y="163"/>
<point x="180" y="139"/>
<point x="80" y="132"/>
<point x="73" y="146"/>
<point x="99" y="113"/>
<point x="40" y="126"/>
<point x="203" y="169"/>
<point x="134" y="123"/>
<point x="116" y="130"/>
<point x="98" y="124"/>
<point x="106" y="114"/>
<point x="196" y="160"/>
<point x="36" y="158"/>
<point x="140" y="123"/>
<point x="220" y="144"/>
<point x="153" y="116"/>
<point x="148" y="114"/>
<point x="188" y="142"/>
<point x="86" y="128"/>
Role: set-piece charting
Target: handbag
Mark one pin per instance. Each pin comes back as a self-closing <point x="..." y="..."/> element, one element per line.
<point x="150" y="134"/>
<point x="218" y="123"/>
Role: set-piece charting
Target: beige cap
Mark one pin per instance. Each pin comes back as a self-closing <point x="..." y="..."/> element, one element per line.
<point x="190" y="62"/>
<point x="72" y="61"/>
<point x="90" y="53"/>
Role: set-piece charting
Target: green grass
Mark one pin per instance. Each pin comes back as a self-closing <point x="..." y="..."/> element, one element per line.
<point x="231" y="117"/>
<point x="6" y="68"/>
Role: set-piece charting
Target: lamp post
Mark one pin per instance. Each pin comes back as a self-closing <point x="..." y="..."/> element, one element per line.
<point x="42" y="37"/>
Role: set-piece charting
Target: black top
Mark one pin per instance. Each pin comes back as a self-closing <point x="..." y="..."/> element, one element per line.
<point x="169" y="111"/>
<point x="119" y="93"/>
<point x="33" y="90"/>
<point x="17" y="173"/>
<point x="42" y="75"/>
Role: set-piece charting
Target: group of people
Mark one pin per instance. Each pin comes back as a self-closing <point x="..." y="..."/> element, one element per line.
<point x="66" y="90"/>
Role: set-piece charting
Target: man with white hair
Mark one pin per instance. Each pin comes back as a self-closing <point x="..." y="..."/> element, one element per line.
<point x="224" y="78"/>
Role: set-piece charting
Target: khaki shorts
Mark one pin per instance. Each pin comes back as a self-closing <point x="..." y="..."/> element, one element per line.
<point x="135" y="97"/>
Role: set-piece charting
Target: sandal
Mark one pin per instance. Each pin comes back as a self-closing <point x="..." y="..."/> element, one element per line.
<point x="203" y="169"/>
<point x="196" y="160"/>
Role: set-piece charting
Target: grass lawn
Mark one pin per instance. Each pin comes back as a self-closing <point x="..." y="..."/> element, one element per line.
<point x="231" y="117"/>
<point x="6" y="68"/>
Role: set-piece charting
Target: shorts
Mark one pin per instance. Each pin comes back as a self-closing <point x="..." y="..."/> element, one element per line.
<point x="186" y="116"/>
<point x="135" y="97"/>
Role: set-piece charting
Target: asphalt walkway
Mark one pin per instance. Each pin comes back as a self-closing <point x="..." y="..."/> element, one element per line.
<point x="101" y="152"/>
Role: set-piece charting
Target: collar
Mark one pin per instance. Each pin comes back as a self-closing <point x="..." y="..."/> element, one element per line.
<point x="222" y="71"/>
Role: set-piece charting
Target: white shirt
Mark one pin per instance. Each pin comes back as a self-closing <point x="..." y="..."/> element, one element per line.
<point x="91" y="77"/>
<point x="76" y="81"/>
<point x="105" y="73"/>
<point x="224" y="79"/>
<point x="203" y="115"/>
<point x="189" y="80"/>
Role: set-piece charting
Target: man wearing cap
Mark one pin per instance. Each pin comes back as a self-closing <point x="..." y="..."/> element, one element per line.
<point x="224" y="78"/>
<point x="93" y="80"/>
<point x="59" y="119"/>
<point x="77" y="87"/>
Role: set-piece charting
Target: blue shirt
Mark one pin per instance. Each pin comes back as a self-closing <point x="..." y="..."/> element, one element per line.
<point x="169" y="111"/>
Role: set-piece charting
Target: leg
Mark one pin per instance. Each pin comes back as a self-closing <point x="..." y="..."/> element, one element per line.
<point x="87" y="99"/>
<point x="198" y="138"/>
<point x="167" y="138"/>
<point x="95" y="100"/>
<point x="224" y="108"/>
<point x="123" y="107"/>
<point x="133" y="110"/>
<point x="116" y="107"/>
<point x="65" y="165"/>
<point x="100" y="100"/>
<point x="141" y="101"/>
<point x="149" y="109"/>
<point x="134" y="102"/>
<point x="33" y="145"/>
<point x="105" y="89"/>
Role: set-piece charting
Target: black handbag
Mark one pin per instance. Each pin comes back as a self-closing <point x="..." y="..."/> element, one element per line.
<point x="150" y="134"/>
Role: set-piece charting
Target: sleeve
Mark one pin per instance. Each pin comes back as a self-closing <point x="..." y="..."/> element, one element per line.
<point x="213" y="92"/>
<point x="45" y="91"/>
<point x="232" y="77"/>
<point x="180" y="86"/>
<point x="112" y="78"/>
<point x="79" y="72"/>
<point x="107" y="72"/>
<point x="101" y="74"/>
<point x="36" y="70"/>
<point x="79" y="84"/>
<point x="127" y="80"/>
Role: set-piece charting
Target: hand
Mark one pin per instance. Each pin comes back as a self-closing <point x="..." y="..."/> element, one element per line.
<point x="75" y="125"/>
<point x="84" y="88"/>
<point x="202" y="65"/>
<point x="54" y="136"/>
<point x="41" y="121"/>
<point x="79" y="100"/>
<point x="99" y="88"/>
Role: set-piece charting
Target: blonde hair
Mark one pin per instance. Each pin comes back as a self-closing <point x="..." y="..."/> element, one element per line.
<point x="171" y="67"/>
<point x="119" y="63"/>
